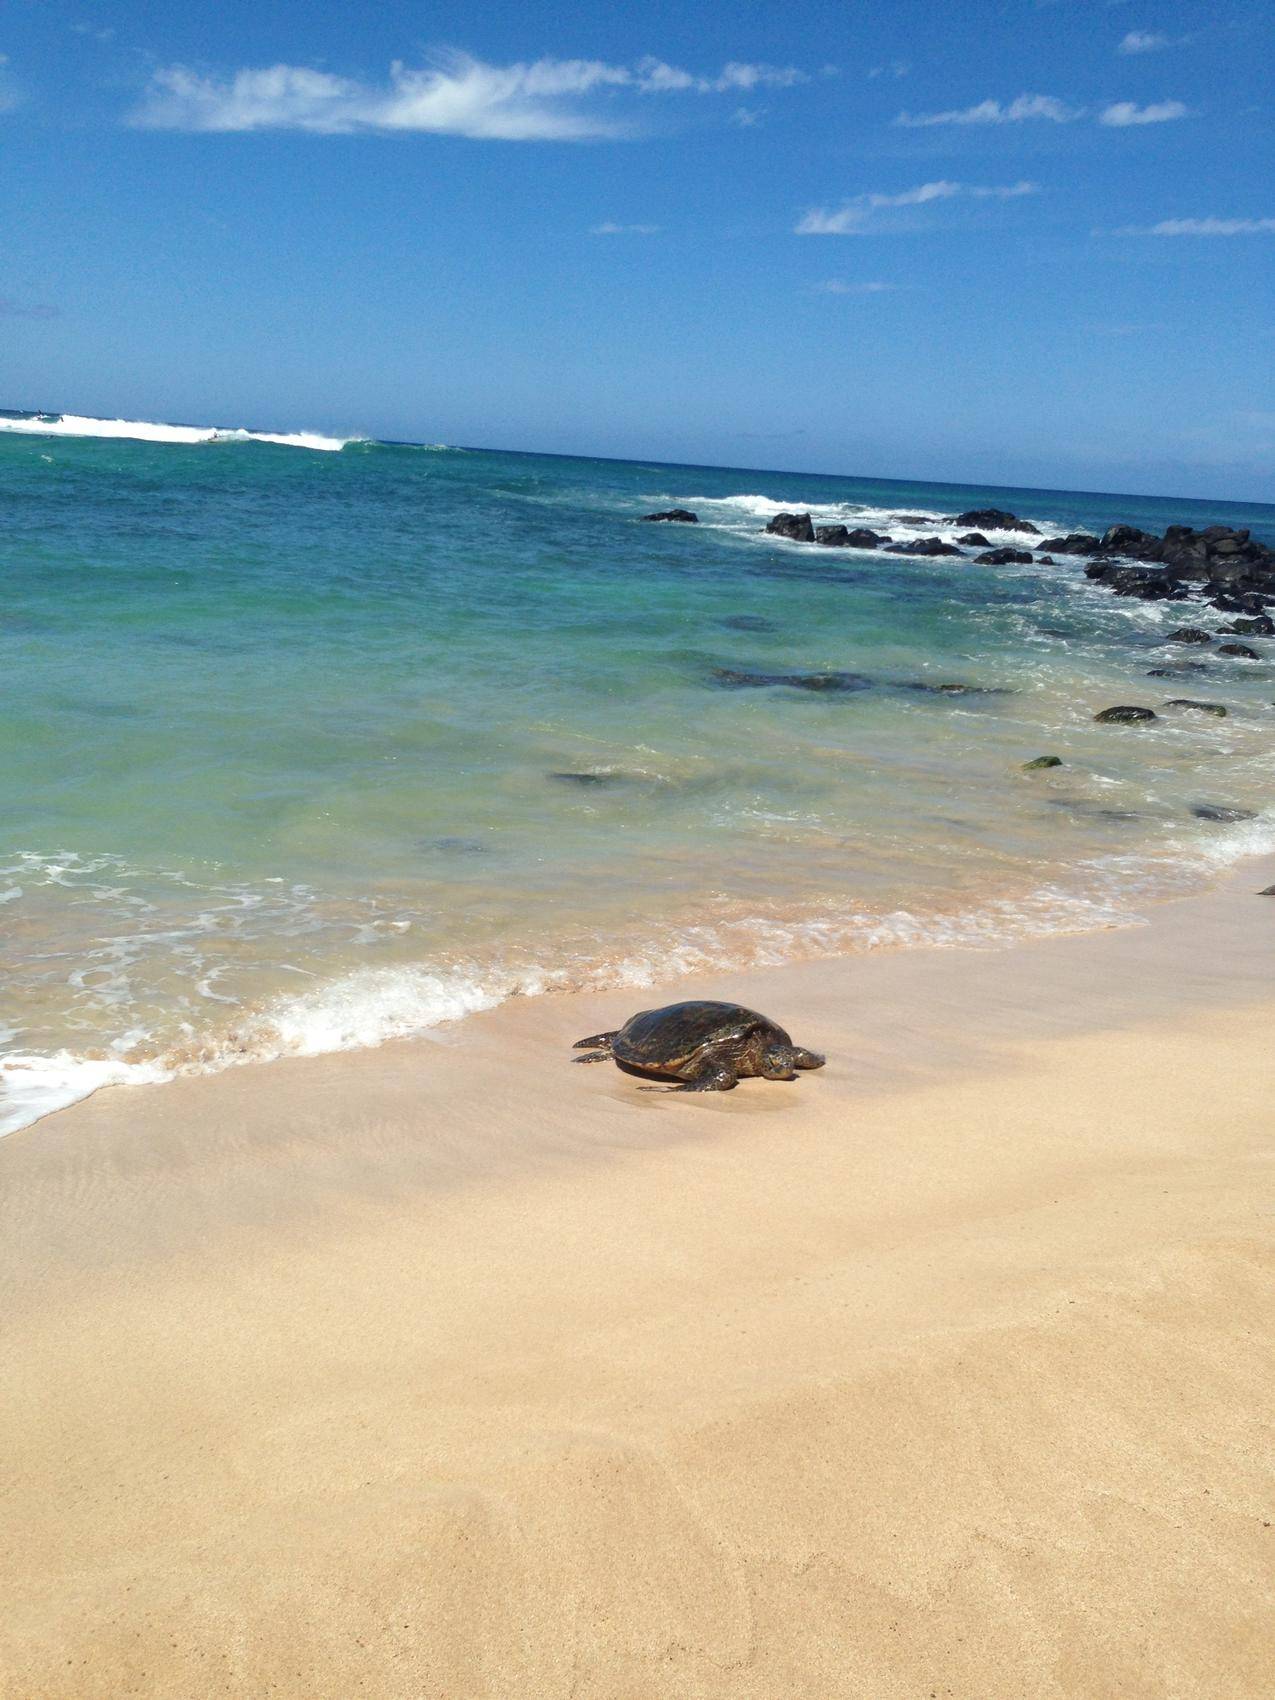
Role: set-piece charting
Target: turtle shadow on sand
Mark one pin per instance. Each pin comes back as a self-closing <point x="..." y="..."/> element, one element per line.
<point x="700" y="1046"/>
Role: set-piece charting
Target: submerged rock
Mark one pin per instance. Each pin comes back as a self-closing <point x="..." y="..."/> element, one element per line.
<point x="974" y="540"/>
<point x="1260" y="626"/>
<point x="586" y="778"/>
<point x="956" y="690"/>
<point x="799" y="528"/>
<point x="1189" y="634"/>
<point x="1240" y="649"/>
<point x="1219" y="812"/>
<point x="1177" y="671"/>
<point x="748" y="623"/>
<point x="676" y="516"/>
<point x="996" y="519"/>
<point x="1125" y="714"/>
<point x="733" y="679"/>
<point x="1202" y="707"/>
<point x="1042" y="761"/>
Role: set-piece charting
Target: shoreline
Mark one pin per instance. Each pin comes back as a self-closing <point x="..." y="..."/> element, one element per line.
<point x="41" y="1086"/>
<point x="451" y="1367"/>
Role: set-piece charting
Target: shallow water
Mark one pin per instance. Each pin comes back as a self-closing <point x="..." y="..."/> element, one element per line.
<point x="302" y="750"/>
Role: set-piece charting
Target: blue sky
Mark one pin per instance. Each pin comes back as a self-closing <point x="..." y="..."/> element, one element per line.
<point x="1018" y="242"/>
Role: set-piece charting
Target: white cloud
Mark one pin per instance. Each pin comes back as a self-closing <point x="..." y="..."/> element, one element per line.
<point x="1125" y="112"/>
<point x="851" y="217"/>
<point x="1147" y="41"/>
<point x="1201" y="227"/>
<point x="611" y="229"/>
<point x="992" y="112"/>
<point x="834" y="286"/>
<point x="747" y="117"/>
<point x="898" y="68"/>
<point x="458" y="95"/>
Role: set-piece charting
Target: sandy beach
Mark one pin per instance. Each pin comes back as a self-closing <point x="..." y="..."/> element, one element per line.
<point x="450" y="1369"/>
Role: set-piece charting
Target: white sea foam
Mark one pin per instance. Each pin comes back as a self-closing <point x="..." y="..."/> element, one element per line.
<point x="33" y="1086"/>
<point x="900" y="523"/>
<point x="149" y="431"/>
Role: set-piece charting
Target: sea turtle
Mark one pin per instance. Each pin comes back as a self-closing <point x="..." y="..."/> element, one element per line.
<point x="709" y="1047"/>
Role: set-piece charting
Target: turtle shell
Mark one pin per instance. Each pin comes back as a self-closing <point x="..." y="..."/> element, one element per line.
<point x="668" y="1039"/>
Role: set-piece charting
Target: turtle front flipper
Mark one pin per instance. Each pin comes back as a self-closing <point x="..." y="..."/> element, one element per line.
<point x="599" y="1042"/>
<point x="710" y="1077"/>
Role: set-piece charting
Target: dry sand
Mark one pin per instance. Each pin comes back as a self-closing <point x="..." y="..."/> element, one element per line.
<point x="451" y="1370"/>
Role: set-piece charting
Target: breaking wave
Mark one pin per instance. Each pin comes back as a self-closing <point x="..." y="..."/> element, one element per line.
<point x="150" y="431"/>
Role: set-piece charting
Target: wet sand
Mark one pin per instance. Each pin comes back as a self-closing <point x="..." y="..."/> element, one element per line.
<point x="454" y="1370"/>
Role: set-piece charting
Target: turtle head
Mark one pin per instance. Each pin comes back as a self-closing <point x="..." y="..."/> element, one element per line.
<point x="779" y="1062"/>
<point x="802" y="1058"/>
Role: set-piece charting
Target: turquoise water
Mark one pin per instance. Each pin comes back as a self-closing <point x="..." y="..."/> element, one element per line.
<point x="303" y="749"/>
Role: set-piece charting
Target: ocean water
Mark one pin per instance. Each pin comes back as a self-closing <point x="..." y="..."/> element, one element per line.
<point x="309" y="742"/>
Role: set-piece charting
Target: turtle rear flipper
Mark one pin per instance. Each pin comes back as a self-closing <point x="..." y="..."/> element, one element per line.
<point x="599" y="1042"/>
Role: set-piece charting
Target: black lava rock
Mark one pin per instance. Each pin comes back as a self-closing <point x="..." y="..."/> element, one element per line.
<point x="1042" y="761"/>
<point x="1006" y="558"/>
<point x="924" y="546"/>
<point x="1125" y="715"/>
<point x="1240" y="649"/>
<point x="798" y="527"/>
<point x="676" y="516"/>
<point x="1188" y="634"/>
<point x="996" y="519"/>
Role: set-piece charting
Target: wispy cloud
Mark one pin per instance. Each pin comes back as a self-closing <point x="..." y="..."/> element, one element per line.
<point x="1125" y="112"/>
<point x="608" y="228"/>
<point x="850" y="218"/>
<point x="1018" y="111"/>
<point x="1148" y="41"/>
<point x="9" y="97"/>
<point x="1202" y="227"/>
<point x="457" y="95"/>
<point x="835" y="286"/>
<point x="897" y="68"/>
<point x="11" y="309"/>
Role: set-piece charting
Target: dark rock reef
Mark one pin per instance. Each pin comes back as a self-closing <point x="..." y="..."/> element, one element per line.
<point x="676" y="516"/>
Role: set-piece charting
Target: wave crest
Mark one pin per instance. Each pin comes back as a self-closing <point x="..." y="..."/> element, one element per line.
<point x="151" y="431"/>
